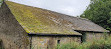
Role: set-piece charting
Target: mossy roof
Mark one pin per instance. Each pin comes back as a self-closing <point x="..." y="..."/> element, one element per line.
<point x="37" y="20"/>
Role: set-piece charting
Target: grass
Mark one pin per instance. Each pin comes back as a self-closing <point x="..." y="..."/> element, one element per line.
<point x="98" y="44"/>
<point x="68" y="46"/>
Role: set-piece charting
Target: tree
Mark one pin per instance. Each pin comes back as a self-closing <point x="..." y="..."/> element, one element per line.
<point x="1" y="1"/>
<point x="99" y="11"/>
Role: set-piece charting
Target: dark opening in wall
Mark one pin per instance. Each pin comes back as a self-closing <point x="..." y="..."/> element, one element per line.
<point x="83" y="37"/>
<point x="1" y="45"/>
<point x="58" y="41"/>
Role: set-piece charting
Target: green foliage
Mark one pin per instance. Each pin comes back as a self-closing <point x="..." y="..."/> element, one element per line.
<point x="68" y="46"/>
<point x="1" y="1"/>
<point x="99" y="11"/>
<point x="98" y="44"/>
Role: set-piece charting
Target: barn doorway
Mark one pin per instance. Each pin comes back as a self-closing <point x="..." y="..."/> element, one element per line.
<point x="83" y="37"/>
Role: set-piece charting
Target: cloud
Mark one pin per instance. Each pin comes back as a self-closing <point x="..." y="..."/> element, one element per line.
<point x="69" y="7"/>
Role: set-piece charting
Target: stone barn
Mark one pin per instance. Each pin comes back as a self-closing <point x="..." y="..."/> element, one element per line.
<point x="44" y="30"/>
<point x="89" y="30"/>
<point x="50" y="41"/>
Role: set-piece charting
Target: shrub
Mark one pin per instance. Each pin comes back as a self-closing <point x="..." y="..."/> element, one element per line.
<point x="98" y="44"/>
<point x="68" y="46"/>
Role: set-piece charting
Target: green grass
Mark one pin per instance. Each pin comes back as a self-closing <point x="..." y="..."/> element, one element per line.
<point x="98" y="44"/>
<point x="68" y="46"/>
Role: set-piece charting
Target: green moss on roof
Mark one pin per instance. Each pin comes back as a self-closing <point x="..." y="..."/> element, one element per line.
<point x="36" y="20"/>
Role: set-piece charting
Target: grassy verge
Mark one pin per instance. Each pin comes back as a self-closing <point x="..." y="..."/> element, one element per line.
<point x="99" y="44"/>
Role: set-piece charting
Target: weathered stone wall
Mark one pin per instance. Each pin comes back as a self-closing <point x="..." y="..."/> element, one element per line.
<point x="12" y="34"/>
<point x="94" y="36"/>
<point x="50" y="42"/>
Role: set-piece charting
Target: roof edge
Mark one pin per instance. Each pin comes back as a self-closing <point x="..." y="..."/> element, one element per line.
<point x="42" y="34"/>
<point x="92" y="31"/>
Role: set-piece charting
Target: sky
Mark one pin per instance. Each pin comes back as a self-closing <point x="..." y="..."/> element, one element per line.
<point x="68" y="7"/>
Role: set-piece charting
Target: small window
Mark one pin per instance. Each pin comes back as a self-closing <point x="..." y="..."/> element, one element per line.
<point x="58" y="41"/>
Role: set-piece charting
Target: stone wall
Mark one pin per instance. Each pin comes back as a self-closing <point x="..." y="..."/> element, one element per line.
<point x="43" y="42"/>
<point x="94" y="36"/>
<point x="12" y="34"/>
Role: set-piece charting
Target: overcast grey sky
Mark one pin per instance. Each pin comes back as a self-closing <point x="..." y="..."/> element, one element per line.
<point x="69" y="7"/>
